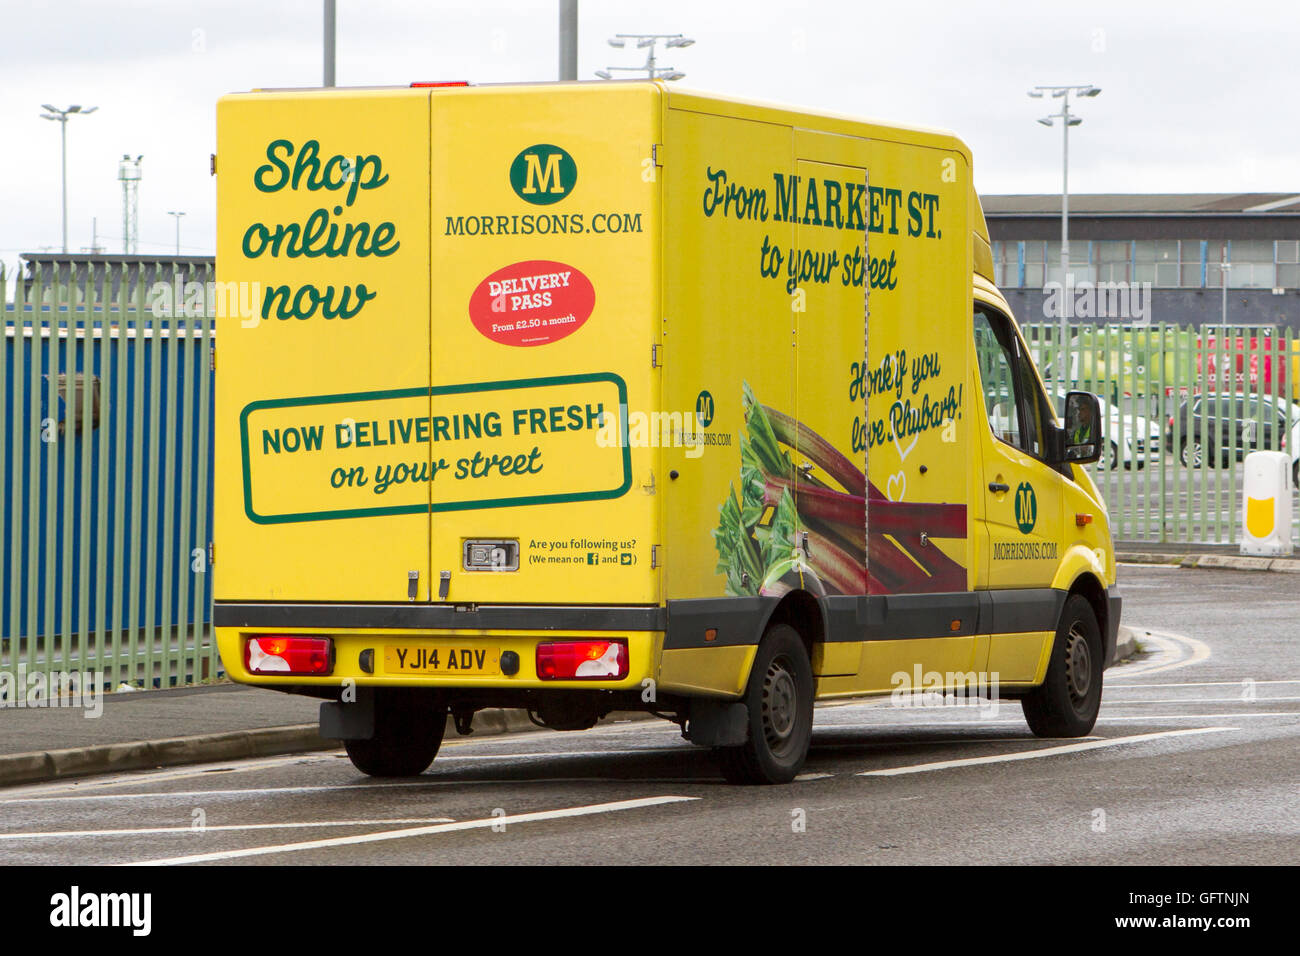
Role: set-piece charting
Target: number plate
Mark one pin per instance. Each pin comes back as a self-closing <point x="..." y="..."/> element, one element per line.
<point x="443" y="659"/>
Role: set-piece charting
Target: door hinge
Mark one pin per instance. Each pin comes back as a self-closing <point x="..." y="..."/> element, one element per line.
<point x="657" y="153"/>
<point x="654" y="556"/>
<point x="656" y="356"/>
<point x="211" y="552"/>
<point x="412" y="585"/>
<point x="212" y="359"/>
<point x="212" y="164"/>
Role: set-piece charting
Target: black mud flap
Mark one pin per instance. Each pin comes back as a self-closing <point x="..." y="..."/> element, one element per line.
<point x="354" y="720"/>
<point x="718" y="724"/>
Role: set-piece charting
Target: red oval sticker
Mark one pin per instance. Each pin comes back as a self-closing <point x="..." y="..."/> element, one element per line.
<point x="532" y="303"/>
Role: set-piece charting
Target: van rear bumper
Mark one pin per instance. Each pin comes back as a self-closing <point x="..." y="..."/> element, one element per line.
<point x="436" y="617"/>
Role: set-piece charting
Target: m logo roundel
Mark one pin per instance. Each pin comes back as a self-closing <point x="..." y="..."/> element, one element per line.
<point x="543" y="174"/>
<point x="1026" y="507"/>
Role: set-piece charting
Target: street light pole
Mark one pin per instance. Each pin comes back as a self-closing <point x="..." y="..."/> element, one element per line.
<point x="568" y="39"/>
<point x="61" y="117"/>
<point x="331" y="19"/>
<point x="177" y="216"/>
<point x="1067" y="120"/>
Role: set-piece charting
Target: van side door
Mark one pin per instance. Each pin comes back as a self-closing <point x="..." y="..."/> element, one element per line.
<point x="1023" y="494"/>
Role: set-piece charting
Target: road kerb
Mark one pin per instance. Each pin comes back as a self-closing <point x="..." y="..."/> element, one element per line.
<point x="47" y="765"/>
<point x="1228" y="562"/>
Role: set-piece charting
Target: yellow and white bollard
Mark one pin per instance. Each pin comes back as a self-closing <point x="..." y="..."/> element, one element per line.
<point x="1266" y="504"/>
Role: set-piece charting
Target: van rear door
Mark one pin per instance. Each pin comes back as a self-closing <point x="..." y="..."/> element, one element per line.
<point x="545" y="294"/>
<point x="322" y="362"/>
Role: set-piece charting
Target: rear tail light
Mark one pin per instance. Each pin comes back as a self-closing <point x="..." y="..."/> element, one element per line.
<point x="288" y="654"/>
<point x="582" y="660"/>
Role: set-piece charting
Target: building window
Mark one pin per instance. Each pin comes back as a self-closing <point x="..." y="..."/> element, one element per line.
<point x="1081" y="262"/>
<point x="1035" y="276"/>
<point x="1114" y="261"/>
<point x="1251" y="264"/>
<point x="1191" y="258"/>
<point x="1288" y="264"/>
<point x="1000" y="267"/>
<point x="1156" y="261"/>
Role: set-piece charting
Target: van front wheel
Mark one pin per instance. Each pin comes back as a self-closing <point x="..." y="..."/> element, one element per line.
<point x="779" y="698"/>
<point x="1067" y="701"/>
<point x="409" y="724"/>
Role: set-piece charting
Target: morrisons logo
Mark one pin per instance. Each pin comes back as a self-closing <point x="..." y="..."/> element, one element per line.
<point x="543" y="174"/>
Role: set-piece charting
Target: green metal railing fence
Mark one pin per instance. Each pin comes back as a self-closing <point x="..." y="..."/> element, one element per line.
<point x="1165" y="481"/>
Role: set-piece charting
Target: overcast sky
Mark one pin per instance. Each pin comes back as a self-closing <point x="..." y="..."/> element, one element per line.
<point x="1197" y="96"/>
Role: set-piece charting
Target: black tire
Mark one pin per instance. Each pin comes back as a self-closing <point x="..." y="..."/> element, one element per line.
<point x="1295" y="474"/>
<point x="409" y="724"/>
<point x="780" y="701"/>
<point x="1067" y="701"/>
<point x="1113" y="461"/>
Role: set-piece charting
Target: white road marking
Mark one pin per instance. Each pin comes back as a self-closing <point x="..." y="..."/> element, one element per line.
<point x="144" y="831"/>
<point x="805" y="777"/>
<point x="136" y="777"/>
<point x="566" y="753"/>
<point x="1189" y="650"/>
<point x="226" y="792"/>
<point x="416" y="831"/>
<point x="1032" y="754"/>
<point x="936" y="742"/>
<point x="1204" y="700"/>
<point x="1156" y="718"/>
<point x="1204" y="683"/>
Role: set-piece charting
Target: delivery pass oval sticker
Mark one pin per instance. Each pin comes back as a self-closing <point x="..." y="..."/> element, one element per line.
<point x="532" y="303"/>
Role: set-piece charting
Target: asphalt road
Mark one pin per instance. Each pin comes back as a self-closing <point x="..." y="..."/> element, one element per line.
<point x="1195" y="760"/>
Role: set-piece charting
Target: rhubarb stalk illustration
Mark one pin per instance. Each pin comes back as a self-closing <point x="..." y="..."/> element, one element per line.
<point x="792" y="526"/>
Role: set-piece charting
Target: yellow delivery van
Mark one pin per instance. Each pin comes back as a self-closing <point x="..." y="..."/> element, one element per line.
<point x="594" y="397"/>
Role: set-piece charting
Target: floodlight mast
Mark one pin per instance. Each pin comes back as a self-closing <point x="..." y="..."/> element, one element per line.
<point x="1067" y="119"/>
<point x="648" y="42"/>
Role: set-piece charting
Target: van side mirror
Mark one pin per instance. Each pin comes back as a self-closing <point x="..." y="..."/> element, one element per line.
<point x="1083" y="437"/>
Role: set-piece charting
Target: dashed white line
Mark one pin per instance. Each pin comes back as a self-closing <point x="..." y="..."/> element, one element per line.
<point x="403" y="834"/>
<point x="1204" y="683"/>
<point x="151" y="831"/>
<point x="1156" y="718"/>
<point x="1033" y="754"/>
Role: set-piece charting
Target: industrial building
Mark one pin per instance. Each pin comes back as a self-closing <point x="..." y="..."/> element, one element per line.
<point x="1178" y="243"/>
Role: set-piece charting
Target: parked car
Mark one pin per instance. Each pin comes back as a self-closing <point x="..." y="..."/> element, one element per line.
<point x="1210" y="427"/>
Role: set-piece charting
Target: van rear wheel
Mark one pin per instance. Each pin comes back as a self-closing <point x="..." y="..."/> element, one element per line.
<point x="409" y="724"/>
<point x="1067" y="701"/>
<point x="779" y="698"/>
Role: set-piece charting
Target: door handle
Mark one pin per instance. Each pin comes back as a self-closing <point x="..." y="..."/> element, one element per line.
<point x="999" y="487"/>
